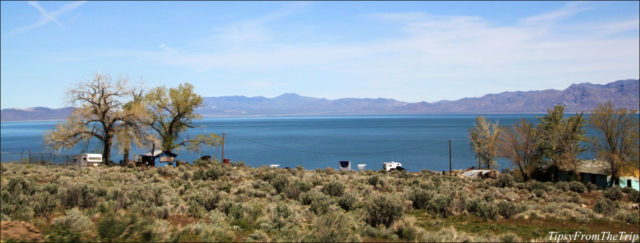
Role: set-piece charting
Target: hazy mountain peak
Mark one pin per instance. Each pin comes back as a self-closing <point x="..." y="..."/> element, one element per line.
<point x="577" y="97"/>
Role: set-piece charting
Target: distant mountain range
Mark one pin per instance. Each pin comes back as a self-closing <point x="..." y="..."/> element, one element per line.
<point x="576" y="98"/>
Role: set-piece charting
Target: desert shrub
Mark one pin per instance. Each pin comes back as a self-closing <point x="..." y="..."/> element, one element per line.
<point x="211" y="174"/>
<point x="405" y="230"/>
<point x="160" y="212"/>
<point x="373" y="180"/>
<point x="280" y="214"/>
<point x="111" y="227"/>
<point x="62" y="233"/>
<point x="334" y="227"/>
<point x="202" y="232"/>
<point x="18" y="185"/>
<point x="536" y="185"/>
<point x="504" y="180"/>
<point x="347" y="202"/>
<point x="613" y="193"/>
<point x="508" y="209"/>
<point x="592" y="187"/>
<point x="563" y="185"/>
<point x="420" y="198"/>
<point x="539" y="193"/>
<point x="78" y="196"/>
<point x="319" y="207"/>
<point x="633" y="195"/>
<point x="74" y="220"/>
<point x="604" y="206"/>
<point x="628" y="190"/>
<point x="483" y="209"/>
<point x="333" y="188"/>
<point x="309" y="197"/>
<point x="294" y="189"/>
<point x="382" y="210"/>
<point x="280" y="182"/>
<point x="43" y="203"/>
<point x="510" y="237"/>
<point x="258" y="236"/>
<point x="577" y="186"/>
<point x="51" y="188"/>
<point x="208" y="202"/>
<point x="440" y="206"/>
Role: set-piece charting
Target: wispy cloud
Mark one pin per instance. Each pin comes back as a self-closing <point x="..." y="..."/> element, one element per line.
<point x="570" y="9"/>
<point x="45" y="17"/>
<point x="255" y="29"/>
<point x="463" y="50"/>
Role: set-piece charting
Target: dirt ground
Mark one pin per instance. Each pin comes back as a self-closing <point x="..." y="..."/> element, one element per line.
<point x="19" y="230"/>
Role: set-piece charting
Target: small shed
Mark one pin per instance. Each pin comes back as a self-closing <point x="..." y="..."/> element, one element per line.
<point x="594" y="171"/>
<point x="345" y="165"/>
<point x="162" y="157"/>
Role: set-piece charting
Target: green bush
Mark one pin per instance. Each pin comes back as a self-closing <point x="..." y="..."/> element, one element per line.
<point x="347" y="202"/>
<point x="605" y="206"/>
<point x="211" y="174"/>
<point x="334" y="227"/>
<point x="632" y="194"/>
<point x="43" y="203"/>
<point x="382" y="210"/>
<point x="613" y="193"/>
<point x="440" y="206"/>
<point x="483" y="209"/>
<point x="320" y="207"/>
<point x="563" y="185"/>
<point x="373" y="180"/>
<point x="62" y="233"/>
<point x="110" y="227"/>
<point x="280" y="182"/>
<point x="83" y="196"/>
<point x="508" y="209"/>
<point x="420" y="198"/>
<point x="334" y="189"/>
<point x="505" y="180"/>
<point x="309" y="197"/>
<point x="20" y="186"/>
<point x="577" y="186"/>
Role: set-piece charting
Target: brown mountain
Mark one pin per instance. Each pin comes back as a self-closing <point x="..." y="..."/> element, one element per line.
<point x="576" y="98"/>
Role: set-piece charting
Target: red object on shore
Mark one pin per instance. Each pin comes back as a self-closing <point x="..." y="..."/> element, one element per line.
<point x="225" y="161"/>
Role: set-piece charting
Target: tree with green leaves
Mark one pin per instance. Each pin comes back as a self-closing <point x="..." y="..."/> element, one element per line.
<point x="171" y="113"/>
<point x="519" y="144"/>
<point x="101" y="114"/>
<point x="484" y="136"/>
<point x="617" y="140"/>
<point x="561" y="140"/>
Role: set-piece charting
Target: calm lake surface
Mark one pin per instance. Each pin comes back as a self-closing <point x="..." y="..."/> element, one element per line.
<point x="417" y="141"/>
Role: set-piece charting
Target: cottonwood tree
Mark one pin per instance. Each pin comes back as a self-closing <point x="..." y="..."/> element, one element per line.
<point x="133" y="131"/>
<point x="484" y="136"/>
<point x="100" y="115"/>
<point x="561" y="139"/>
<point x="171" y="113"/>
<point x="617" y="137"/>
<point x="519" y="144"/>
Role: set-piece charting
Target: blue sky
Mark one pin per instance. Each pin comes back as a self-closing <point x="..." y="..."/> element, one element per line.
<point x="410" y="51"/>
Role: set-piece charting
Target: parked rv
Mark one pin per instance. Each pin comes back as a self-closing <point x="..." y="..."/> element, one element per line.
<point x="388" y="166"/>
<point x="88" y="159"/>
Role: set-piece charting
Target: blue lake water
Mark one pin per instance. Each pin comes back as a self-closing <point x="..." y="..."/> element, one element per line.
<point x="417" y="141"/>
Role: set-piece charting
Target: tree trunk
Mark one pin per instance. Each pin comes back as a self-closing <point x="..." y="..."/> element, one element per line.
<point x="125" y="159"/>
<point x="106" y="154"/>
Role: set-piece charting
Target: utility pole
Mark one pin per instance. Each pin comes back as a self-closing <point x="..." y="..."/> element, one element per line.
<point x="223" y="146"/>
<point x="449" y="156"/>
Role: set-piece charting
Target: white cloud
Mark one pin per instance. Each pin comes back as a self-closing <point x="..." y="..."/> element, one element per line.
<point x="465" y="50"/>
<point x="46" y="17"/>
<point x="255" y="29"/>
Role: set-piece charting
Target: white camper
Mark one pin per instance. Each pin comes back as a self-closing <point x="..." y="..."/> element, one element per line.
<point x="388" y="166"/>
<point x="88" y="159"/>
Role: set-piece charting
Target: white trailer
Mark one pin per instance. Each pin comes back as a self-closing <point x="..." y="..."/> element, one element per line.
<point x="388" y="166"/>
<point x="88" y="159"/>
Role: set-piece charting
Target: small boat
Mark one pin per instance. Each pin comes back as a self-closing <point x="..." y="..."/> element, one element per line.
<point x="274" y="165"/>
<point x="361" y="167"/>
